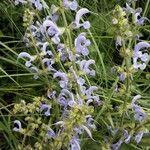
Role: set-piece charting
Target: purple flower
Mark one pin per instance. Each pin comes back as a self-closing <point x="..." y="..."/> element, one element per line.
<point x="139" y="136"/>
<point x="20" y="1"/>
<point x="127" y="137"/>
<point x="141" y="20"/>
<point x="74" y="144"/>
<point x="79" y="80"/>
<point x="37" y="32"/>
<point x="28" y="56"/>
<point x="52" y="30"/>
<point x="139" y="59"/>
<point x="51" y="94"/>
<point x="46" y="108"/>
<point x="140" y="115"/>
<point x="64" y="79"/>
<point x="17" y="123"/>
<point x="122" y="77"/>
<point x="38" y="5"/>
<point x="49" y="63"/>
<point x="51" y="133"/>
<point x="44" y="48"/>
<point x="128" y="9"/>
<point x="62" y="52"/>
<point x="90" y="91"/>
<point x="90" y="121"/>
<point x="71" y="4"/>
<point x="66" y="98"/>
<point x="81" y="44"/>
<point x="141" y="45"/>
<point x="79" y="14"/>
<point x="135" y="99"/>
<point x="84" y="66"/>
<point x="117" y="145"/>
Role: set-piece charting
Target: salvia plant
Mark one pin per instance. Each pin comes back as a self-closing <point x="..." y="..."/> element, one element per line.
<point x="75" y="109"/>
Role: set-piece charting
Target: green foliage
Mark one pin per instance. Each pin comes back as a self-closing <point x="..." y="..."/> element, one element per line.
<point x="17" y="81"/>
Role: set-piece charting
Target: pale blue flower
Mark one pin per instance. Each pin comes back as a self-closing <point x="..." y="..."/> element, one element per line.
<point x="141" y="45"/>
<point x="46" y="108"/>
<point x="49" y="62"/>
<point x="91" y="90"/>
<point x="117" y="145"/>
<point x="74" y="144"/>
<point x="20" y="1"/>
<point x="140" y="58"/>
<point x="28" y="56"/>
<point x="81" y="44"/>
<point x="79" y="80"/>
<point x="37" y="31"/>
<point x="62" y="52"/>
<point x="79" y="14"/>
<point x="18" y="127"/>
<point x="52" y="30"/>
<point x="122" y="77"/>
<point x="51" y="94"/>
<point x="43" y="47"/>
<point x="127" y="137"/>
<point x="138" y="137"/>
<point x="38" y="5"/>
<point x="85" y="67"/>
<point x="51" y="133"/>
<point x="90" y="121"/>
<point x="71" y="4"/>
<point x="139" y="115"/>
<point x="63" y="79"/>
<point x="66" y="98"/>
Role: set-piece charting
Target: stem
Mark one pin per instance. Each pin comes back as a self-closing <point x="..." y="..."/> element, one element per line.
<point x="128" y="81"/>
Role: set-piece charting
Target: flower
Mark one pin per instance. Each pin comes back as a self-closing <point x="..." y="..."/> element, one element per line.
<point x="136" y="13"/>
<point x="17" y="123"/>
<point x="64" y="79"/>
<point x="26" y="55"/>
<point x="81" y="44"/>
<point x="127" y="137"/>
<point x="51" y="29"/>
<point x="38" y="5"/>
<point x="84" y="66"/>
<point x="20" y="1"/>
<point x="140" y="115"/>
<point x="62" y="52"/>
<point x="122" y="77"/>
<point x="90" y="121"/>
<point x="140" y="58"/>
<point x="49" y="63"/>
<point x="71" y="4"/>
<point x="90" y="91"/>
<point x="51" y="133"/>
<point x="79" y="14"/>
<point x="117" y="145"/>
<point x="46" y="108"/>
<point x="139" y="136"/>
<point x="74" y="144"/>
<point x="44" y="48"/>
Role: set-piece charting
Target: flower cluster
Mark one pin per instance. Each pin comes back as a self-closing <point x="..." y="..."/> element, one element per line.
<point x="38" y="4"/>
<point x="69" y="67"/>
